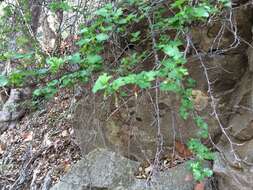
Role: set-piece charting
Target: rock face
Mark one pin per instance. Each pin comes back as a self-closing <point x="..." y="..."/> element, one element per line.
<point x="131" y="130"/>
<point x="233" y="178"/>
<point x="129" y="127"/>
<point x="105" y="170"/>
<point x="233" y="166"/>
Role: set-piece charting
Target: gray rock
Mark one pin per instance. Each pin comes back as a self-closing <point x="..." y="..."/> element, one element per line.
<point x="105" y="170"/>
<point x="10" y="104"/>
<point x="12" y="111"/>
<point x="100" y="169"/>
<point x="232" y="178"/>
<point x="241" y="126"/>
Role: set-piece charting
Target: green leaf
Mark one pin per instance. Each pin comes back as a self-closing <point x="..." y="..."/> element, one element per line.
<point x="55" y="63"/>
<point x="84" y="41"/>
<point x="42" y="71"/>
<point x="200" y="12"/>
<point x="226" y="3"/>
<point x="75" y="58"/>
<point x="178" y="3"/>
<point x="203" y="134"/>
<point x="144" y="79"/>
<point x="37" y="92"/>
<point x="102" y="37"/>
<point x="207" y="172"/>
<point x="201" y="123"/>
<point x="17" y="77"/>
<point x="201" y="151"/>
<point x="101" y="83"/>
<point x="48" y="91"/>
<point x="116" y="84"/>
<point x="22" y="56"/>
<point x="191" y="83"/>
<point x="83" y="30"/>
<point x="55" y="6"/>
<point x="118" y="13"/>
<point x="172" y="51"/>
<point x="183" y="113"/>
<point x="130" y="79"/>
<point x="199" y="171"/>
<point x="135" y="36"/>
<point x="53" y="83"/>
<point x="94" y="59"/>
<point x="102" y="12"/>
<point x="66" y="81"/>
<point x="170" y="86"/>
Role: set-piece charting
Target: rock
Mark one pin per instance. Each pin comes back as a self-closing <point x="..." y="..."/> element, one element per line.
<point x="241" y="126"/>
<point x="5" y="116"/>
<point x="105" y="170"/>
<point x="224" y="70"/>
<point x="232" y="178"/>
<point x="131" y="129"/>
<point x="215" y="36"/>
<point x="237" y="173"/>
<point x="243" y="150"/>
<point x="241" y="122"/>
<point x="12" y="111"/>
<point x="231" y="173"/>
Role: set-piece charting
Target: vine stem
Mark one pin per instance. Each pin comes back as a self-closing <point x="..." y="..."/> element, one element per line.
<point x="156" y="103"/>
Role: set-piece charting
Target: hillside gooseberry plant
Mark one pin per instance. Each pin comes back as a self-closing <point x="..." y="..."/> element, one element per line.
<point x="160" y="64"/>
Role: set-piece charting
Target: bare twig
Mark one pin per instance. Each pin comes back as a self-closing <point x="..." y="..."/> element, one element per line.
<point x="29" y="28"/>
<point x="156" y="103"/>
<point x="214" y="106"/>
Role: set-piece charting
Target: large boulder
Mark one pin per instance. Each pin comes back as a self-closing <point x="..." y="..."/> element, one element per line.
<point x="105" y="170"/>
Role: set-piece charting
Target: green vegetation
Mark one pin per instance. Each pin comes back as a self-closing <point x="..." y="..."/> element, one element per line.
<point x="163" y="43"/>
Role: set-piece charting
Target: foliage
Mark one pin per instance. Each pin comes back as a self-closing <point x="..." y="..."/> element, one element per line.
<point x="167" y="36"/>
<point x="56" y="5"/>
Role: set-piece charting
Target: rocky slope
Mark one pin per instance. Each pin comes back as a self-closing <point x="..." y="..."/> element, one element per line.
<point x="114" y="140"/>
